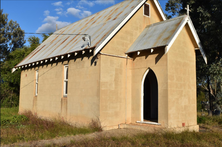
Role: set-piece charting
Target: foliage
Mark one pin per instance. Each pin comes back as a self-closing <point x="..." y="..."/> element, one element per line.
<point x="206" y="17"/>
<point x="11" y="36"/>
<point x="11" y="81"/>
<point x="8" y="112"/>
<point x="200" y="99"/>
<point x="28" y="127"/>
<point x="13" y="120"/>
<point x="213" y="121"/>
<point x="14" y="52"/>
<point x="45" y="36"/>
<point x="34" y="42"/>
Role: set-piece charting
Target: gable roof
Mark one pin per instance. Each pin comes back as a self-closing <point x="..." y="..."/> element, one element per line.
<point x="101" y="26"/>
<point x="164" y="34"/>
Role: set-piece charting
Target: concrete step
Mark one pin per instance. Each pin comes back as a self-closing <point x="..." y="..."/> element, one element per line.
<point x="150" y="128"/>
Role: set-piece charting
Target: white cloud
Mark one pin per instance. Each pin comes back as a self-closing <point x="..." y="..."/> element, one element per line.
<point x="69" y="3"/>
<point x="85" y="14"/>
<point x="78" y="13"/>
<point x="50" y="25"/>
<point x="46" y="12"/>
<point x="86" y="2"/>
<point x="59" y="3"/>
<point x="60" y="13"/>
<point x="92" y="3"/>
<point x="73" y="11"/>
<point x="58" y="9"/>
<point x="105" y="2"/>
<point x="80" y="7"/>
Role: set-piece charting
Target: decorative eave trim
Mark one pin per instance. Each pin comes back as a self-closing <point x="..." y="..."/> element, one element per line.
<point x="52" y="59"/>
<point x="97" y="50"/>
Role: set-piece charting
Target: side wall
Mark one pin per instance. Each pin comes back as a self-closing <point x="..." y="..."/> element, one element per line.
<point x="181" y="60"/>
<point x="27" y="90"/>
<point x="82" y="102"/>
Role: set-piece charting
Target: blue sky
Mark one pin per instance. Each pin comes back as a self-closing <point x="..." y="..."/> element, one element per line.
<point x="41" y="16"/>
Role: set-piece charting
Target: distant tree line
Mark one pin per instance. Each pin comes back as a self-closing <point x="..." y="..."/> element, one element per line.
<point x="12" y="51"/>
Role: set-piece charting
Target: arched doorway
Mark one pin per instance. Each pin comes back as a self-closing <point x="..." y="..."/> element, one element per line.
<point x="150" y="97"/>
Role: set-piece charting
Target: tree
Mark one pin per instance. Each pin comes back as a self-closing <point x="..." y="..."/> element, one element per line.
<point x="11" y="36"/>
<point x="206" y="17"/>
<point x="12" y="52"/>
<point x="10" y="86"/>
<point x="34" y="42"/>
<point x="45" y="36"/>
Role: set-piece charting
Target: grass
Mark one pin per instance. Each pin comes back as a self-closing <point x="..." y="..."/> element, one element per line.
<point x="28" y="127"/>
<point x="165" y="139"/>
<point x="8" y="113"/>
<point x="209" y="120"/>
<point x="211" y="137"/>
<point x="9" y="116"/>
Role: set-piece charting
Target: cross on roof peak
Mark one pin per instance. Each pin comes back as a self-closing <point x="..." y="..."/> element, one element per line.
<point x="188" y="9"/>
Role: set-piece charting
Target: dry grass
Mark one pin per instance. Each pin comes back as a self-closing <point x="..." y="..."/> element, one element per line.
<point x="209" y="120"/>
<point x="166" y="139"/>
<point x="28" y="127"/>
<point x="34" y="128"/>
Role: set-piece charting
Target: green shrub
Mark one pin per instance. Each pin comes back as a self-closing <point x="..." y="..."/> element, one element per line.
<point x="16" y="119"/>
<point x="201" y="119"/>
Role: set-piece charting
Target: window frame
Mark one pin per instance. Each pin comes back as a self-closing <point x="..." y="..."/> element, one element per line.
<point x="65" y="80"/>
<point x="36" y="82"/>
<point x="146" y="4"/>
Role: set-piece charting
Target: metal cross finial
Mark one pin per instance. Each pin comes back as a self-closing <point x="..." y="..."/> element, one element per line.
<point x="188" y="10"/>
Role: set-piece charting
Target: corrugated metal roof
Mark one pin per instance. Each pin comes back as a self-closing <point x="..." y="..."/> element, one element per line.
<point x="157" y="35"/>
<point x="98" y="26"/>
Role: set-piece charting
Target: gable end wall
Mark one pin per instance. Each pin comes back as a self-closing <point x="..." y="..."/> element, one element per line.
<point x="181" y="64"/>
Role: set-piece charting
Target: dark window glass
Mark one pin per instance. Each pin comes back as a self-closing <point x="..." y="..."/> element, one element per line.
<point x="146" y="10"/>
<point x="66" y="87"/>
<point x="67" y="73"/>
